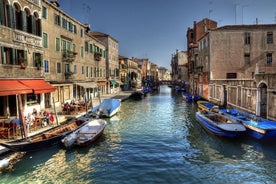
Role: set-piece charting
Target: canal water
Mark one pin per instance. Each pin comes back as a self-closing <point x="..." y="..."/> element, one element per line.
<point x="155" y="140"/>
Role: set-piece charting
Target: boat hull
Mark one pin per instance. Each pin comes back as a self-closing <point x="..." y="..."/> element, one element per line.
<point x="224" y="129"/>
<point x="257" y="127"/>
<point x="108" y="108"/>
<point x="42" y="140"/>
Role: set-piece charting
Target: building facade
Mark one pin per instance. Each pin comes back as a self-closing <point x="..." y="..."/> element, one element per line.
<point x="22" y="80"/>
<point x="74" y="61"/>
<point x="112" y="60"/>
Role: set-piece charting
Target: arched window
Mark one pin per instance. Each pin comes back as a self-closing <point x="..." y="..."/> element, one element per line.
<point x="28" y="19"/>
<point x="37" y="24"/>
<point x="18" y="17"/>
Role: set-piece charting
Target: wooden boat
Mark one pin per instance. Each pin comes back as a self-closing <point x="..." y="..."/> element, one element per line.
<point x="45" y="138"/>
<point x="86" y="134"/>
<point x="257" y="127"/>
<point x="137" y="95"/>
<point x="207" y="106"/>
<point x="108" y="108"/>
<point x="219" y="125"/>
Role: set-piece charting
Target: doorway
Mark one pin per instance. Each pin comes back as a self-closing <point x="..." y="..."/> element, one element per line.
<point x="262" y="90"/>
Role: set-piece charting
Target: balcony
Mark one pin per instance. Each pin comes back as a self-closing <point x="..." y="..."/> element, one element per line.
<point x="68" y="56"/>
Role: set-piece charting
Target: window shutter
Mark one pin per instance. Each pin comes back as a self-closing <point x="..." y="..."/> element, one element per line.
<point x="11" y="16"/>
<point x="24" y="21"/>
<point x="39" y="31"/>
<point x="14" y="59"/>
<point x="2" y="18"/>
<point x="32" y="24"/>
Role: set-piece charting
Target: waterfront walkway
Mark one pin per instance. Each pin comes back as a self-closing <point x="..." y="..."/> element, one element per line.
<point x="123" y="95"/>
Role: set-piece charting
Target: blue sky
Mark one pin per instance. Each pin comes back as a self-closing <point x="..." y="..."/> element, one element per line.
<point x="154" y="29"/>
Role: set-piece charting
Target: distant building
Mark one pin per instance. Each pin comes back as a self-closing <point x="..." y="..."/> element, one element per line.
<point x="179" y="63"/>
<point x="112" y="60"/>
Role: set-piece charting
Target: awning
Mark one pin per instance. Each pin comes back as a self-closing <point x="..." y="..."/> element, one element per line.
<point x="113" y="82"/>
<point x="101" y="83"/>
<point x="13" y="87"/>
<point x="88" y="85"/>
<point x="38" y="85"/>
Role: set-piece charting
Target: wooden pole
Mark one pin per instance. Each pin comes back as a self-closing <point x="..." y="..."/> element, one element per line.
<point x="21" y="117"/>
<point x="55" y="110"/>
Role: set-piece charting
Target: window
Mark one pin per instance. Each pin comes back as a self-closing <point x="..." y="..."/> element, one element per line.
<point x="246" y="59"/>
<point x="231" y="75"/>
<point x="67" y="68"/>
<point x="33" y="99"/>
<point x="269" y="38"/>
<point x="44" y="12"/>
<point x="87" y="71"/>
<point x="91" y="72"/>
<point x="82" y="54"/>
<point x="57" y="19"/>
<point x="269" y="58"/>
<point x="45" y="40"/>
<point x="82" y="70"/>
<point x="58" y="67"/>
<point x="64" y="23"/>
<point x="75" y="69"/>
<point x="246" y="38"/>
<point x="81" y="33"/>
<point x="57" y="44"/>
<point x="46" y="66"/>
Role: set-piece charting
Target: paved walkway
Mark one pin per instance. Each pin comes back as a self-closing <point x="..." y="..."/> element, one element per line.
<point x="123" y="95"/>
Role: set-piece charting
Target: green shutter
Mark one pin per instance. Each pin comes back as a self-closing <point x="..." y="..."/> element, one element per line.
<point x="24" y="21"/>
<point x="39" y="31"/>
<point x="11" y="16"/>
<point x="14" y="59"/>
<point x="32" y="24"/>
<point x="2" y="16"/>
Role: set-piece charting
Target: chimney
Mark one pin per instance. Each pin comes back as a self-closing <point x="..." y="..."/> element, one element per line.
<point x="55" y="2"/>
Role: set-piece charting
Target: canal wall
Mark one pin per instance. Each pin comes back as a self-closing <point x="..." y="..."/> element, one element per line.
<point x="257" y="95"/>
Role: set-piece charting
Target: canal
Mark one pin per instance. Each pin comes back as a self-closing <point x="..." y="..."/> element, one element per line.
<point x="155" y="140"/>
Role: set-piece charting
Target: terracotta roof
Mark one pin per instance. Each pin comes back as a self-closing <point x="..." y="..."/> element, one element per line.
<point x="253" y="26"/>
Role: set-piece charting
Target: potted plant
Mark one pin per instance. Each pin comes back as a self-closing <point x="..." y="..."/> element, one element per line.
<point x="38" y="61"/>
<point x="22" y="62"/>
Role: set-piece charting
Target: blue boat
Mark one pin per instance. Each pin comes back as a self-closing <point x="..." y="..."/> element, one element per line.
<point x="108" y="108"/>
<point x="257" y="127"/>
<point x="219" y="125"/>
<point x="207" y="106"/>
<point x="189" y="97"/>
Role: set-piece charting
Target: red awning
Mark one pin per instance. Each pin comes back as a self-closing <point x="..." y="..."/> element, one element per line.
<point x="38" y="85"/>
<point x="13" y="87"/>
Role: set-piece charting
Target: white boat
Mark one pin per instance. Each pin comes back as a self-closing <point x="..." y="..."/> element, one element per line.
<point x="108" y="108"/>
<point x="86" y="134"/>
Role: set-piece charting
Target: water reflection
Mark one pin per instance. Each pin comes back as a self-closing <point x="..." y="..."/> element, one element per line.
<point x="155" y="140"/>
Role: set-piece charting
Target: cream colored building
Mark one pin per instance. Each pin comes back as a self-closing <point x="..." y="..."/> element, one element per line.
<point x="74" y="62"/>
<point x="112" y="61"/>
<point x="21" y="52"/>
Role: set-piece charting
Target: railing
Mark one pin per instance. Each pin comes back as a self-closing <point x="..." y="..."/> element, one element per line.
<point x="68" y="56"/>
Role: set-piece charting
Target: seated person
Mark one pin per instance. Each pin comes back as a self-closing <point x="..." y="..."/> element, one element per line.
<point x="15" y="121"/>
<point x="29" y="121"/>
<point x="34" y="112"/>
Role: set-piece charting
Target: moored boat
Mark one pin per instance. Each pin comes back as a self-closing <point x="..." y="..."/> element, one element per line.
<point x="86" y="134"/>
<point x="108" y="108"/>
<point x="46" y="138"/>
<point x="257" y="127"/>
<point x="219" y="125"/>
<point x="207" y="106"/>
